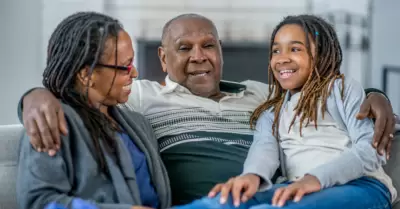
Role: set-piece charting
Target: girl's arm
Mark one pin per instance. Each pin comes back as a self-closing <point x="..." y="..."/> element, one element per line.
<point x="263" y="156"/>
<point x="362" y="158"/>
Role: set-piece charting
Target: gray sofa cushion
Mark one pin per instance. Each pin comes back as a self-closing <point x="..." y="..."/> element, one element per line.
<point x="9" y="145"/>
<point x="392" y="168"/>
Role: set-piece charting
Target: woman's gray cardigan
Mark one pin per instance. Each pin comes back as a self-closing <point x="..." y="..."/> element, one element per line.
<point x="75" y="172"/>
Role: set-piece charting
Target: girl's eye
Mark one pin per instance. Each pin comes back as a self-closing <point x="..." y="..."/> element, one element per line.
<point x="295" y="49"/>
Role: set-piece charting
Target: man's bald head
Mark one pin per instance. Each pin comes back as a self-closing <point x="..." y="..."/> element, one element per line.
<point x="191" y="54"/>
<point x="189" y="16"/>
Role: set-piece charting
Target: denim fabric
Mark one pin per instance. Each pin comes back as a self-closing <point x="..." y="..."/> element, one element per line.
<point x="363" y="193"/>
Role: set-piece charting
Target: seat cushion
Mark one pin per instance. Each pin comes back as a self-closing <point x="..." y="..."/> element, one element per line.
<point x="392" y="167"/>
<point x="396" y="206"/>
<point x="9" y="145"/>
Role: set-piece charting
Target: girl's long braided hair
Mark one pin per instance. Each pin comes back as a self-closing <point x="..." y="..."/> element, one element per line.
<point x="326" y="68"/>
<point x="79" y="41"/>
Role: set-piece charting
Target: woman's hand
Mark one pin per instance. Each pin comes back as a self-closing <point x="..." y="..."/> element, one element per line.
<point x="308" y="184"/>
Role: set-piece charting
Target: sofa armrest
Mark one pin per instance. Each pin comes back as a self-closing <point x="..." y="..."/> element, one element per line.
<point x="392" y="168"/>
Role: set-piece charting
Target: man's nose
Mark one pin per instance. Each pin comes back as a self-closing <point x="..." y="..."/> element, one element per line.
<point x="197" y="55"/>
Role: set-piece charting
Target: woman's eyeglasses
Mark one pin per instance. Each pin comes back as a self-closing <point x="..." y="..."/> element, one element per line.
<point x="125" y="68"/>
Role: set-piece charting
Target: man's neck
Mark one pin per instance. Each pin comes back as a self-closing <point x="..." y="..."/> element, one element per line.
<point x="217" y="97"/>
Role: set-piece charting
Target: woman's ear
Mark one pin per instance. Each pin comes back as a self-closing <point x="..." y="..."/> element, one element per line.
<point x="84" y="78"/>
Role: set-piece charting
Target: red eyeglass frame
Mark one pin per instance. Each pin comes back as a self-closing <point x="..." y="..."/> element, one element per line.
<point x="118" y="67"/>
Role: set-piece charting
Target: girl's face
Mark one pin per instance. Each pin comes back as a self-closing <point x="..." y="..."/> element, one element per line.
<point x="290" y="62"/>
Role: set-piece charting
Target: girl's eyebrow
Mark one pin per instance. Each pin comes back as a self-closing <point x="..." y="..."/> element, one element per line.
<point x="292" y="42"/>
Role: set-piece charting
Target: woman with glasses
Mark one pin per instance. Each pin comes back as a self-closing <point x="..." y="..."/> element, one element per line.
<point x="110" y="157"/>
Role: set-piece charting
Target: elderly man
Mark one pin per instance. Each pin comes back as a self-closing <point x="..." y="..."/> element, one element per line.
<point x="201" y="123"/>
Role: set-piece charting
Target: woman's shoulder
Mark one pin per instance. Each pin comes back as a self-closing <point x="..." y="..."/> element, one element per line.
<point x="137" y="123"/>
<point x="74" y="124"/>
<point x="130" y="114"/>
<point x="68" y="109"/>
<point x="134" y="118"/>
<point x="71" y="115"/>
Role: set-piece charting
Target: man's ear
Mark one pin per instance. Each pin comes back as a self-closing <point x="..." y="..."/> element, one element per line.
<point x="84" y="78"/>
<point x="161" y="56"/>
<point x="222" y="59"/>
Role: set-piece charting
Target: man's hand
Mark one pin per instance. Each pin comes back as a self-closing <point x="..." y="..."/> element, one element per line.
<point x="247" y="184"/>
<point x="308" y="184"/>
<point x="378" y="107"/>
<point x="44" y="119"/>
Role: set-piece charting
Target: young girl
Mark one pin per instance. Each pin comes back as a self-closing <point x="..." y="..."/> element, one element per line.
<point x="309" y="126"/>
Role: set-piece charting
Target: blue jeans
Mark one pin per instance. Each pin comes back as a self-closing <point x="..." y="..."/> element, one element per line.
<point x="363" y="193"/>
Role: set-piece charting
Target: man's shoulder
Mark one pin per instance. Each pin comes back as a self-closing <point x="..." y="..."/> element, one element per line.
<point x="258" y="88"/>
<point x="142" y="90"/>
<point x="147" y="87"/>
<point x="256" y="85"/>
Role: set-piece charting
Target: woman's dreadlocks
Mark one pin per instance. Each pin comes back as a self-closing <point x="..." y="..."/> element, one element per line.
<point x="79" y="41"/>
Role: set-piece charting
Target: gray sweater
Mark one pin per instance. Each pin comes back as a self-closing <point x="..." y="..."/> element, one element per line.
<point x="74" y="171"/>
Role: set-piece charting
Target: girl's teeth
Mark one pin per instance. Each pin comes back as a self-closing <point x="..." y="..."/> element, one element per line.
<point x="286" y="71"/>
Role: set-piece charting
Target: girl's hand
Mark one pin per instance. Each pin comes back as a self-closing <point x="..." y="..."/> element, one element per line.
<point x="308" y="184"/>
<point x="242" y="189"/>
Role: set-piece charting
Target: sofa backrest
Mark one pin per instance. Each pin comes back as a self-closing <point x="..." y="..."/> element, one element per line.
<point x="9" y="148"/>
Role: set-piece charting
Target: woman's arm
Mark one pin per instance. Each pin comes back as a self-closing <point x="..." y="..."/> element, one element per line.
<point x="43" y="179"/>
<point x="361" y="158"/>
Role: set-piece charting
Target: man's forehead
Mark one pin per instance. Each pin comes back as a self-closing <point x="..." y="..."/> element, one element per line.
<point x="191" y="27"/>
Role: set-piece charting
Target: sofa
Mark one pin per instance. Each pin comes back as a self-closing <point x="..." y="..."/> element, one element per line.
<point x="9" y="145"/>
<point x="9" y="148"/>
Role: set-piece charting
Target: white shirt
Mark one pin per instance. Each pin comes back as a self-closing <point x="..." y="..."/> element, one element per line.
<point x="172" y="109"/>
